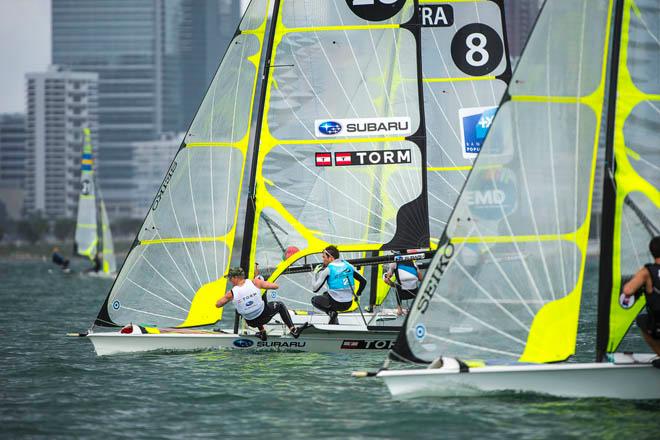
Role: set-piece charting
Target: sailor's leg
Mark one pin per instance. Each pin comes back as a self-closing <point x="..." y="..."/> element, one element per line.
<point x="281" y="308"/>
<point x="322" y="302"/>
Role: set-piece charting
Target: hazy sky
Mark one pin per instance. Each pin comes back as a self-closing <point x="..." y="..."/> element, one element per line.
<point x="24" y="47"/>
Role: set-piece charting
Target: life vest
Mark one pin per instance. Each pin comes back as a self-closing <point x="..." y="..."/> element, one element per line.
<point x="340" y="281"/>
<point x="406" y="274"/>
<point x="248" y="301"/>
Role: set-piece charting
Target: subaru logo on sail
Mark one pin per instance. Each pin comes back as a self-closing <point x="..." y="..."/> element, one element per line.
<point x="329" y="128"/>
<point x="243" y="343"/>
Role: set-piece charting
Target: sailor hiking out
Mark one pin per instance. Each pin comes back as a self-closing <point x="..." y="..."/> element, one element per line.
<point x="246" y="296"/>
<point x="340" y="277"/>
<point x="407" y="281"/>
<point x="647" y="280"/>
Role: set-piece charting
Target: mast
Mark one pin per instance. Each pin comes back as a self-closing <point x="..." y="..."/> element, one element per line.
<point x="250" y="210"/>
<point x="609" y="195"/>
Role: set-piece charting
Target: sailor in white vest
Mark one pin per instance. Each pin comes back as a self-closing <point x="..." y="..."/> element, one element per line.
<point x="246" y="295"/>
<point x="407" y="277"/>
<point x="340" y="276"/>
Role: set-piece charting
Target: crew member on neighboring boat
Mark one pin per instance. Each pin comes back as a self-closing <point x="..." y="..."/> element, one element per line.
<point x="648" y="277"/>
<point x="246" y="295"/>
<point x="58" y="259"/>
<point x="340" y="276"/>
<point x="407" y="281"/>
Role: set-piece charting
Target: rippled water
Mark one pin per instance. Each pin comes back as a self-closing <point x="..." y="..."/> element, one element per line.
<point x="56" y="387"/>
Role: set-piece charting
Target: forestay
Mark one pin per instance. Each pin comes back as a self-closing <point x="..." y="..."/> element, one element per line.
<point x="507" y="281"/>
<point x="341" y="150"/>
<point x="172" y="275"/>
<point x="636" y="185"/>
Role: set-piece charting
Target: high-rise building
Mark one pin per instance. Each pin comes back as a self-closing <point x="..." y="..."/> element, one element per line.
<point x="12" y="150"/>
<point x="152" y="159"/>
<point x="154" y="59"/>
<point x="60" y="103"/>
<point x="520" y="17"/>
<point x="12" y="164"/>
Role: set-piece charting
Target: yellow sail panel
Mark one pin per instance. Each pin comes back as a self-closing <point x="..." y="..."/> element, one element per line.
<point x="637" y="158"/>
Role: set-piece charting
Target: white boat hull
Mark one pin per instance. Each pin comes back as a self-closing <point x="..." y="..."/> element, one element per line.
<point x="604" y="379"/>
<point x="317" y="339"/>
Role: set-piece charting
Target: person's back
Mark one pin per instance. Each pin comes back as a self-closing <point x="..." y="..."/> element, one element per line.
<point x="340" y="281"/>
<point x="247" y="300"/>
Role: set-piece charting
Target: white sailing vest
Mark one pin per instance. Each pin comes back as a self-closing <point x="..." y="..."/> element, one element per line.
<point x="247" y="300"/>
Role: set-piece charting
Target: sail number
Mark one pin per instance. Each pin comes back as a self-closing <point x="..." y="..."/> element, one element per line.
<point x="477" y="49"/>
<point x="375" y="10"/>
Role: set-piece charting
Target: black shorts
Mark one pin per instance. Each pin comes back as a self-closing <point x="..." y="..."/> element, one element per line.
<point x="649" y="325"/>
<point x="264" y="318"/>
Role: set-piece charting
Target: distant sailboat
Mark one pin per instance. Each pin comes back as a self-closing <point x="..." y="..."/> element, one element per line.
<point x="93" y="238"/>
<point x="338" y="155"/>
<point x="498" y="309"/>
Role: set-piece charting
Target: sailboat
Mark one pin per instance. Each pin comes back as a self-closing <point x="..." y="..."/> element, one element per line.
<point x="338" y="154"/>
<point x="93" y="238"/>
<point x="499" y="306"/>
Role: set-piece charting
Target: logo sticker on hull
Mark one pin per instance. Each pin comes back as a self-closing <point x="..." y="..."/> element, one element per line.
<point x="243" y="343"/>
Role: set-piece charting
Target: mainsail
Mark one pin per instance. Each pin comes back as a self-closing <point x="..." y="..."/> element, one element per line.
<point x="632" y="182"/>
<point x="507" y="279"/>
<point x="465" y="71"/>
<point x="173" y="273"/>
<point x="341" y="147"/>
<point x="86" y="236"/>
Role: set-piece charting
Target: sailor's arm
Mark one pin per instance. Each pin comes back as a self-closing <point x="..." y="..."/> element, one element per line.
<point x="639" y="280"/>
<point x="360" y="279"/>
<point x="388" y="275"/>
<point x="318" y="279"/>
<point x="225" y="299"/>
<point x="262" y="284"/>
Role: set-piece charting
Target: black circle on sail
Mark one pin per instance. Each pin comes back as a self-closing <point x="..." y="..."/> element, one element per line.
<point x="375" y="10"/>
<point x="477" y="49"/>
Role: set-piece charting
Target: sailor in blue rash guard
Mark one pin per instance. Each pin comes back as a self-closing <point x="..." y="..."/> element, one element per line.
<point x="648" y="279"/>
<point x="340" y="277"/>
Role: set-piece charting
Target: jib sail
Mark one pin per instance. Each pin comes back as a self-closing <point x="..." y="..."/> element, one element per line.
<point x="172" y="276"/>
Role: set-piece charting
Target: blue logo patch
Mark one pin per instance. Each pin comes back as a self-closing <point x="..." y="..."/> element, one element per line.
<point x="243" y="343"/>
<point x="475" y="123"/>
<point x="330" y="127"/>
<point x="249" y="303"/>
<point x="273" y="294"/>
<point x="116" y="305"/>
<point x="420" y="331"/>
